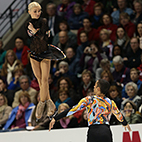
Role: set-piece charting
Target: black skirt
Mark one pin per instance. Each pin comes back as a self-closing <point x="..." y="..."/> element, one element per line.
<point x="99" y="133"/>
<point x="52" y="53"/>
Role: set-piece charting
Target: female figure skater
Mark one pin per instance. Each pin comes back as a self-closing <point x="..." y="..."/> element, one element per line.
<point x="41" y="55"/>
<point x="99" y="109"/>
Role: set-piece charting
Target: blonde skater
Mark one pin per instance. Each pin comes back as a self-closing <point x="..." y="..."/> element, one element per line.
<point x="41" y="54"/>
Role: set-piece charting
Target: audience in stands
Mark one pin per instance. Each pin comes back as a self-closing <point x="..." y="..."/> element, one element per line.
<point x="5" y="110"/>
<point x="21" y="50"/>
<point x="127" y="24"/>
<point x="86" y="83"/>
<point x="121" y="74"/>
<point x="97" y="16"/>
<point x="53" y="20"/>
<point x="14" y="84"/>
<point x="131" y="90"/>
<point x="2" y="54"/>
<point x="106" y="43"/>
<point x="25" y="86"/>
<point x="134" y="75"/>
<point x="122" y="7"/>
<point x="63" y="97"/>
<point x="130" y="114"/>
<point x="104" y="65"/>
<point x="9" y="65"/>
<point x="122" y="40"/>
<point x="136" y="17"/>
<point x="91" y="32"/>
<point x="65" y="9"/>
<point x="76" y="19"/>
<point x="9" y="94"/>
<point x="88" y="5"/>
<point x="107" y="24"/>
<point x="18" y="119"/>
<point x="63" y="26"/>
<point x="66" y="122"/>
<point x="91" y="57"/>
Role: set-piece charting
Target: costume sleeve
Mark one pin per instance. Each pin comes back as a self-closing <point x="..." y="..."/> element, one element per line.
<point x="118" y="114"/>
<point x="82" y="104"/>
<point x="43" y="30"/>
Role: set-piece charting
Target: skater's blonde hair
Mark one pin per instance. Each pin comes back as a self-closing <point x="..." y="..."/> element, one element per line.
<point x="33" y="4"/>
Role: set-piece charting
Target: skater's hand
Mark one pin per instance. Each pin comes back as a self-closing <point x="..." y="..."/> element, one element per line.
<point x="127" y="127"/>
<point x="51" y="124"/>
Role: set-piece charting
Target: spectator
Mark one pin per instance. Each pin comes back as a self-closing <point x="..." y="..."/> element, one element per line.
<point x="106" y="43"/>
<point x="139" y="30"/>
<point x="122" y="40"/>
<point x="131" y="90"/>
<point x="34" y="84"/>
<point x="84" y="43"/>
<point x="9" y="94"/>
<point x="107" y="24"/>
<point x="65" y="82"/>
<point x="116" y="51"/>
<point x="52" y="87"/>
<point x="14" y="84"/>
<point x="63" y="97"/>
<point x="109" y="5"/>
<point x="88" y="29"/>
<point x="65" y="9"/>
<point x="41" y="124"/>
<point x="65" y="41"/>
<point x="65" y="72"/>
<point x="104" y="65"/>
<point x="76" y="19"/>
<point x="91" y="57"/>
<point x="4" y="110"/>
<point x="96" y="17"/>
<point x="83" y="122"/>
<point x="63" y="26"/>
<point x="130" y="113"/>
<point x="19" y="116"/>
<point x="53" y="20"/>
<point x="121" y="74"/>
<point x="106" y="75"/>
<point x="115" y="95"/>
<point x="122" y="7"/>
<point x="70" y="59"/>
<point x="137" y="16"/>
<point x="2" y="54"/>
<point x="87" y="6"/>
<point x="86" y="83"/>
<point x="21" y="50"/>
<point x="25" y="86"/>
<point x="9" y="65"/>
<point x="66" y="122"/>
<point x="134" y="75"/>
<point x="132" y="59"/>
<point x="127" y="24"/>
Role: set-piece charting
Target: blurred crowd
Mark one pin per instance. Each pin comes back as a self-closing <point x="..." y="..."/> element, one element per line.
<point x="102" y="39"/>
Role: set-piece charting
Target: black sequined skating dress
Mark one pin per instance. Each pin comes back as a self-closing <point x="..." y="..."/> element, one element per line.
<point x="39" y="47"/>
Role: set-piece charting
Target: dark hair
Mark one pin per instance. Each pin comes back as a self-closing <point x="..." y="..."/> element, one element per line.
<point x="67" y="80"/>
<point x="114" y="88"/>
<point x="137" y="34"/>
<point x="114" y="48"/>
<point x="66" y="23"/>
<point x="108" y="16"/>
<point x="132" y="103"/>
<point x="104" y="86"/>
<point x="19" y="38"/>
<point x="88" y="18"/>
<point x="97" y="45"/>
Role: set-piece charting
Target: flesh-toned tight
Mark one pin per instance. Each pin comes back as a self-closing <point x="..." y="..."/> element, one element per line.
<point x="41" y="71"/>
